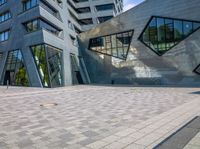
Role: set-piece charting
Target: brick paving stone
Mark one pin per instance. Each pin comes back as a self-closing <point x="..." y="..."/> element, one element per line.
<point x="194" y="143"/>
<point x="134" y="146"/>
<point x="97" y="145"/>
<point x="115" y="145"/>
<point x="87" y="115"/>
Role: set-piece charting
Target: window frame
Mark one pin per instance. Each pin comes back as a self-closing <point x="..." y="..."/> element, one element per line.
<point x="44" y="45"/>
<point x="24" y="63"/>
<point x="24" y="9"/>
<point x="3" y="14"/>
<point x="8" y="31"/>
<point x="39" y="26"/>
<point x="117" y="47"/>
<point x="140" y="38"/>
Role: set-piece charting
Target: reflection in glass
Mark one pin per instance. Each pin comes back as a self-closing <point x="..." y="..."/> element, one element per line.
<point x="54" y="61"/>
<point x="5" y="16"/>
<point x="161" y="34"/>
<point x="38" y="24"/>
<point x="28" y="4"/>
<point x="115" y="45"/>
<point x="48" y="62"/>
<point x="187" y="27"/>
<point x="178" y="30"/>
<point x="15" y="71"/>
<point x="4" y="35"/>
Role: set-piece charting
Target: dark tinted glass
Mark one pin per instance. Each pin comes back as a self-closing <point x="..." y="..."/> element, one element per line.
<point x="115" y="45"/>
<point x="161" y="34"/>
<point x="48" y="62"/>
<point x="15" y="71"/>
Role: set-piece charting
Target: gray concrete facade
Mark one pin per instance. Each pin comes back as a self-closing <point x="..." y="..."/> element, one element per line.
<point x="92" y="13"/>
<point x="57" y="14"/>
<point x="20" y="39"/>
<point x="142" y="66"/>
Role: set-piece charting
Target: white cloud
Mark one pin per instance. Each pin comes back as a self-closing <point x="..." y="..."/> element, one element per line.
<point x="129" y="6"/>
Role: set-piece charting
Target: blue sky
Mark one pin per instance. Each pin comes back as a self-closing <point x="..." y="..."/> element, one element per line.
<point x="131" y="3"/>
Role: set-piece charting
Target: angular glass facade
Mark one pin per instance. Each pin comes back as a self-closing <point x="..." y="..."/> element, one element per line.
<point x="15" y="71"/>
<point x="161" y="34"/>
<point x="115" y="45"/>
<point x="48" y="62"/>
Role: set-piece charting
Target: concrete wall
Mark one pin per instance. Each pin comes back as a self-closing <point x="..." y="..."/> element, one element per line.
<point x="143" y="66"/>
<point x="94" y="14"/>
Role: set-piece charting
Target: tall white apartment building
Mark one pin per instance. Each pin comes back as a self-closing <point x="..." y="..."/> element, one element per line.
<point x="85" y="14"/>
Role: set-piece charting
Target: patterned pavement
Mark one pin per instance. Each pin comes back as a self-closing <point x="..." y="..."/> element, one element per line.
<point x="194" y="143"/>
<point x="83" y="115"/>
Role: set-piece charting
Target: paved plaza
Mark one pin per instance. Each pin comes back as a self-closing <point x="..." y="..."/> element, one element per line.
<point x="93" y="117"/>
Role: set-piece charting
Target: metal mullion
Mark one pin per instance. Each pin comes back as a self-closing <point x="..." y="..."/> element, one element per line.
<point x="47" y="62"/>
<point x="117" y="45"/>
<point x="15" y="66"/>
<point x="24" y="68"/>
<point x="39" y="62"/>
<point x="122" y="42"/>
<point x="149" y="34"/>
<point x="101" y="46"/>
<point x="157" y="33"/>
<point x="53" y="63"/>
<point x="39" y="53"/>
<point x="183" y="36"/>
<point x="19" y="65"/>
<point x="111" y="45"/>
<point x="173" y="31"/>
<point x="165" y="32"/>
<point x="105" y="45"/>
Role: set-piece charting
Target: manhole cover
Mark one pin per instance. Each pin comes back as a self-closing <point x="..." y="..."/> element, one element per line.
<point x="48" y="105"/>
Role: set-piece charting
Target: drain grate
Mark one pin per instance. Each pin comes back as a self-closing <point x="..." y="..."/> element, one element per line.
<point x="48" y="105"/>
<point x="181" y="137"/>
